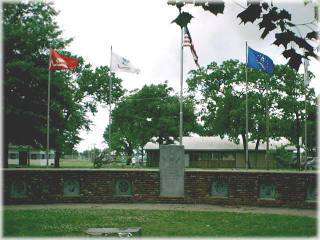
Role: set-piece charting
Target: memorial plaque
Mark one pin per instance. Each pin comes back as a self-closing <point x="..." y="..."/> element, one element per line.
<point x="71" y="187"/>
<point x="267" y="191"/>
<point x="172" y="164"/>
<point x="123" y="187"/>
<point x="312" y="193"/>
<point x="18" y="189"/>
<point x="219" y="189"/>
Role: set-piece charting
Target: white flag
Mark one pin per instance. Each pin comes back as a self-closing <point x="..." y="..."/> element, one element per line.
<point x="306" y="75"/>
<point x="119" y="63"/>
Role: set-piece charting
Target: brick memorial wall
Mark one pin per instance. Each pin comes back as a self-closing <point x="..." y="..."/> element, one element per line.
<point x="263" y="188"/>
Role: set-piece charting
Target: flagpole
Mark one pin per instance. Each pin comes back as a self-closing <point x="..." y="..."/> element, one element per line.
<point x="110" y="100"/>
<point x="267" y="128"/>
<point x="247" y="157"/>
<point x="48" y="110"/>
<point x="305" y="124"/>
<point x="181" y="86"/>
<point x="306" y="82"/>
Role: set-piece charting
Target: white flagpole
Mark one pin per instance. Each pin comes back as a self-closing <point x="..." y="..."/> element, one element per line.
<point x="267" y="128"/>
<point x="247" y="156"/>
<point x="181" y="86"/>
<point x="48" y="110"/>
<point x="305" y="125"/>
<point x="110" y="100"/>
<point x="306" y="82"/>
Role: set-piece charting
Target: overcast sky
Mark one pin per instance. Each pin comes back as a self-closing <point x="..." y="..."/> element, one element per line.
<point x="142" y="32"/>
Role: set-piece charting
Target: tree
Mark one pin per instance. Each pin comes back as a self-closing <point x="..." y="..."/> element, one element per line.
<point x="222" y="94"/>
<point x="149" y="113"/>
<point x="25" y="71"/>
<point x="272" y="19"/>
<point x="29" y="32"/>
<point x="291" y="107"/>
<point x="91" y="153"/>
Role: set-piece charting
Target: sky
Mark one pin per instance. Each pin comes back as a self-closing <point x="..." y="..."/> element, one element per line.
<point x="142" y="32"/>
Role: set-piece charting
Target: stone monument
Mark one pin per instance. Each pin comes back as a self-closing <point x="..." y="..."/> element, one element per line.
<point x="187" y="160"/>
<point x="172" y="164"/>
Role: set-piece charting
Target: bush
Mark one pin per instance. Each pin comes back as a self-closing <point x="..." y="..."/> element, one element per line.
<point x="282" y="156"/>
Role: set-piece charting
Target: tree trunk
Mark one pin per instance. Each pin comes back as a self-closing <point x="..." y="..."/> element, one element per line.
<point x="141" y="156"/>
<point x="244" y="140"/>
<point x="298" y="156"/>
<point x="6" y="154"/>
<point x="256" y="150"/>
<point x="160" y="140"/>
<point x="257" y="144"/>
<point x="57" y="157"/>
<point x="129" y="160"/>
<point x="129" y="152"/>
<point x="297" y="139"/>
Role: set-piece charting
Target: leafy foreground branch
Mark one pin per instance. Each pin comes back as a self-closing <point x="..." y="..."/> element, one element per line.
<point x="270" y="19"/>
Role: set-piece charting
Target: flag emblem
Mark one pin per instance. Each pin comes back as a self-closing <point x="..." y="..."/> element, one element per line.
<point x="259" y="61"/>
<point x="125" y="61"/>
<point x="61" y="62"/>
<point x="119" y="63"/>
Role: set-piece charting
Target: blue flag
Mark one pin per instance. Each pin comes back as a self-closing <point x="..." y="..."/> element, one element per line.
<point x="259" y="61"/>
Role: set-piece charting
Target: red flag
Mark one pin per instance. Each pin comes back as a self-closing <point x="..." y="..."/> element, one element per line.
<point x="60" y="62"/>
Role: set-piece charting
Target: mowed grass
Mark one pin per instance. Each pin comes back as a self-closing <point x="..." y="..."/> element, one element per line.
<point x="155" y="223"/>
<point x="77" y="163"/>
<point x="87" y="164"/>
<point x="67" y="163"/>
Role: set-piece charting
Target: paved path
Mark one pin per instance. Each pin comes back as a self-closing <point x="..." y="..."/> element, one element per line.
<point x="181" y="207"/>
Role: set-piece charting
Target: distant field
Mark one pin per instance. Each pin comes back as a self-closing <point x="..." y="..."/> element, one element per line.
<point x="73" y="222"/>
<point x="75" y="163"/>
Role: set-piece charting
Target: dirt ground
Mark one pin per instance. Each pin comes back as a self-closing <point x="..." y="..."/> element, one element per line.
<point x="175" y="207"/>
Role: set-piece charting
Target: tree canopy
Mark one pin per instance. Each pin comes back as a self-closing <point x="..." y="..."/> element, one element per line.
<point x="151" y="113"/>
<point x="30" y="31"/>
<point x="220" y="89"/>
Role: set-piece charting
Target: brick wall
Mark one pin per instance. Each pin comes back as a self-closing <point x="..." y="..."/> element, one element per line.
<point x="99" y="186"/>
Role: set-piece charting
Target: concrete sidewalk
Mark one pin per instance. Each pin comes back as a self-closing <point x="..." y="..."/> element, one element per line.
<point x="172" y="207"/>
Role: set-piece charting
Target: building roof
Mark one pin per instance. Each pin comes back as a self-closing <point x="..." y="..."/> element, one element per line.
<point x="218" y="144"/>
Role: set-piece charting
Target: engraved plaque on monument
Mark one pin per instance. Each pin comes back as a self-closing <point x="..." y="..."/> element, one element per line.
<point x="172" y="164"/>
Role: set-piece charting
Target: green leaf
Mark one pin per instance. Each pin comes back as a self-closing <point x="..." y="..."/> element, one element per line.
<point x="251" y="13"/>
<point x="183" y="19"/>
<point x="214" y="8"/>
<point x="284" y="38"/>
<point x="312" y="35"/>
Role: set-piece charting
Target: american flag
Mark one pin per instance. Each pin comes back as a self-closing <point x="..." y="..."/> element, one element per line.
<point x="187" y="42"/>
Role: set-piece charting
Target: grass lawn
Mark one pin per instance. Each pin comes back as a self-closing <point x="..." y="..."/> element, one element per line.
<point x="66" y="163"/>
<point x="87" y="164"/>
<point x="73" y="222"/>
<point x="76" y="163"/>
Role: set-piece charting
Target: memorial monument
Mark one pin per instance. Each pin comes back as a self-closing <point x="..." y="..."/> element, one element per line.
<point x="172" y="165"/>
